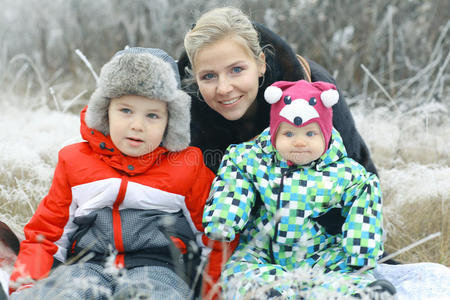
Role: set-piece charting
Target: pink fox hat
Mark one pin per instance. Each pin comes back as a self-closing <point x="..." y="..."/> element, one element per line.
<point x="302" y="103"/>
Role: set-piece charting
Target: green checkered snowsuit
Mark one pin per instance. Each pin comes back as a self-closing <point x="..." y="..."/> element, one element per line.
<point x="273" y="207"/>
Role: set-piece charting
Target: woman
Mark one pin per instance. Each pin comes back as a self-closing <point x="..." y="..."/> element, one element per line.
<point x="216" y="125"/>
<point x="227" y="65"/>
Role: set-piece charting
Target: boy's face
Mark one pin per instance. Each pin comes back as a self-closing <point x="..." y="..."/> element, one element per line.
<point x="300" y="145"/>
<point x="137" y="124"/>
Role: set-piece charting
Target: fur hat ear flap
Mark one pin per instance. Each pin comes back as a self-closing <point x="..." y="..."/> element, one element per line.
<point x="178" y="134"/>
<point x="272" y="94"/>
<point x="329" y="97"/>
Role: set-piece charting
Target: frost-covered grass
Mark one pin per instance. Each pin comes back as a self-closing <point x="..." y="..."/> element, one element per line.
<point x="412" y="155"/>
<point x="30" y="140"/>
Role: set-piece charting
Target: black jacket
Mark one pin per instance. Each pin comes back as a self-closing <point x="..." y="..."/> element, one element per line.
<point x="212" y="133"/>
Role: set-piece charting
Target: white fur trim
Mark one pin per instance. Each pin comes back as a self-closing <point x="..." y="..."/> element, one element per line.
<point x="272" y="94"/>
<point x="329" y="97"/>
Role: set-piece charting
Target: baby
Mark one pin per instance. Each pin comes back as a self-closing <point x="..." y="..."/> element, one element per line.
<point x="273" y="190"/>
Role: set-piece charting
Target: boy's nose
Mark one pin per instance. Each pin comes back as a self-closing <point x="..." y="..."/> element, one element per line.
<point x="137" y="123"/>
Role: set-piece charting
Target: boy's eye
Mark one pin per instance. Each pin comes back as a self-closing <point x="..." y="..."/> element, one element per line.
<point x="153" y="116"/>
<point x="310" y="133"/>
<point x="237" y="69"/>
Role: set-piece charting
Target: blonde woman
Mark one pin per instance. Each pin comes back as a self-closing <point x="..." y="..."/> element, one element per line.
<point x="228" y="63"/>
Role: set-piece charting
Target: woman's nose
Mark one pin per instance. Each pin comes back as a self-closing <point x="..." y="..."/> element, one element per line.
<point x="224" y="86"/>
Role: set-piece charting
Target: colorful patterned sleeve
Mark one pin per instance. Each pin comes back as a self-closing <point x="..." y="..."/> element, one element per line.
<point x="231" y="199"/>
<point x="362" y="230"/>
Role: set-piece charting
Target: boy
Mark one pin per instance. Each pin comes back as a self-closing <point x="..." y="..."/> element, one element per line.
<point x="125" y="207"/>
<point x="273" y="189"/>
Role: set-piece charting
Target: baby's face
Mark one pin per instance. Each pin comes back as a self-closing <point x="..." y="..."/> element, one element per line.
<point x="137" y="124"/>
<point x="300" y="145"/>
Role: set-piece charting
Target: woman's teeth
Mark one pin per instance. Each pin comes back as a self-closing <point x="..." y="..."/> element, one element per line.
<point x="230" y="101"/>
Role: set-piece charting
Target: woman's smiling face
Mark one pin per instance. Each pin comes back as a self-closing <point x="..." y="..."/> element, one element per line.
<point x="227" y="77"/>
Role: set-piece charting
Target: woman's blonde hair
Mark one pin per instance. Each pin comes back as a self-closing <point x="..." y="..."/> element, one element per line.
<point x="220" y="23"/>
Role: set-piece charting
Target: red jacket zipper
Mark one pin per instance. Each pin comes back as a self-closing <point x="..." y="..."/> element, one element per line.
<point x="117" y="223"/>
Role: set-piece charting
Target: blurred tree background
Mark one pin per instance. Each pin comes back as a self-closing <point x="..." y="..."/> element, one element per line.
<point x="395" y="40"/>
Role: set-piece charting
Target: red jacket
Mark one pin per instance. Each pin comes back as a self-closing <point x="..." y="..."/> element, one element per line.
<point x="94" y="175"/>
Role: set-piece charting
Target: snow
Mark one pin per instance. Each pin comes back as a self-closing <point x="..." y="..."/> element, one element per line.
<point x="420" y="281"/>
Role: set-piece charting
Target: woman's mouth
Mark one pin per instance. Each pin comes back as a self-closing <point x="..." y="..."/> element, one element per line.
<point x="231" y="101"/>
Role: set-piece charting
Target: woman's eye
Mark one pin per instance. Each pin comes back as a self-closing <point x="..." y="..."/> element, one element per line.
<point x="125" y="110"/>
<point x="237" y="69"/>
<point x="208" y="76"/>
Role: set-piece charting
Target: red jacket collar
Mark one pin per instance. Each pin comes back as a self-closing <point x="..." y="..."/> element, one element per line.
<point x="104" y="147"/>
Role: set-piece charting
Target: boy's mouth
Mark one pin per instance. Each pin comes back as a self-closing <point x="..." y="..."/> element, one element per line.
<point x="134" y="141"/>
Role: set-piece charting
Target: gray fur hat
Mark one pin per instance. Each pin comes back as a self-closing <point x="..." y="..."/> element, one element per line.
<point x="146" y="72"/>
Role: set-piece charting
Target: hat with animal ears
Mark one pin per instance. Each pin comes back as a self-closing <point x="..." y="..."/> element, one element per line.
<point x="300" y="103"/>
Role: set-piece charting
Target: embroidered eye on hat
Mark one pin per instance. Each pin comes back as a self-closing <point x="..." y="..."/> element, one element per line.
<point x="300" y="103"/>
